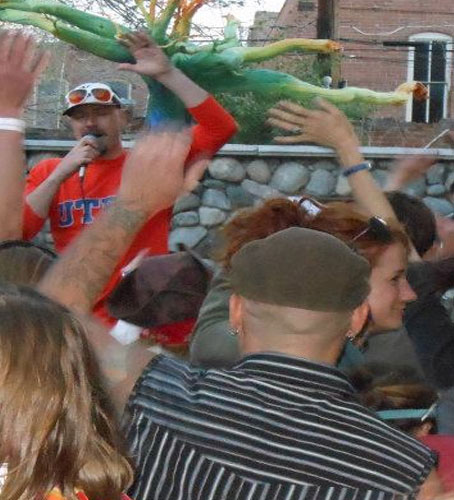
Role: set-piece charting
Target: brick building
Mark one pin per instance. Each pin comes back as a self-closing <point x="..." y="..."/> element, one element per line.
<point x="385" y="43"/>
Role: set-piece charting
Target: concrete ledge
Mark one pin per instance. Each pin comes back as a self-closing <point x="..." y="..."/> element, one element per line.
<point x="265" y="150"/>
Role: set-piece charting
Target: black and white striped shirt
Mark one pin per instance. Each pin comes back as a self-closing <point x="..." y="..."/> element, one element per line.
<point x="272" y="427"/>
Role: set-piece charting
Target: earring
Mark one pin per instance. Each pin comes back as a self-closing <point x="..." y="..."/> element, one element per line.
<point x="350" y="335"/>
<point x="234" y="332"/>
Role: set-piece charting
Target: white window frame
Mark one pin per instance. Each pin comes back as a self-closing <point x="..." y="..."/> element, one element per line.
<point x="430" y="37"/>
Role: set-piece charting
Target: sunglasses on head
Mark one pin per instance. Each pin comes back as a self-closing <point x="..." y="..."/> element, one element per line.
<point x="376" y="226"/>
<point x="309" y="205"/>
<point x="101" y="95"/>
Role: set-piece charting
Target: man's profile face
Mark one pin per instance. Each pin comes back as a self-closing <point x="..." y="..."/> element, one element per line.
<point x="98" y="119"/>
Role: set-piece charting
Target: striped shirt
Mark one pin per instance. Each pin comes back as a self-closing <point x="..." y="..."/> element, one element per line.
<point x="272" y="427"/>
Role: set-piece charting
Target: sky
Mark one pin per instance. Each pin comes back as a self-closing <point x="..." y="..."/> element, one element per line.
<point x="211" y="16"/>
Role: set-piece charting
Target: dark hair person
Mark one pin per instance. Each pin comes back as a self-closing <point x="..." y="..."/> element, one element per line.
<point x="417" y="219"/>
<point x="55" y="425"/>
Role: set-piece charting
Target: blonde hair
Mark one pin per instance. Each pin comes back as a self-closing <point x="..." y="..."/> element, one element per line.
<point x="55" y="424"/>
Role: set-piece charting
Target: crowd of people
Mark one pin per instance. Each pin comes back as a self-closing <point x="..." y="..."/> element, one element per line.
<point x="320" y="362"/>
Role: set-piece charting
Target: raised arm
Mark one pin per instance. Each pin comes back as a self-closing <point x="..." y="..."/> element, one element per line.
<point x="152" y="62"/>
<point x="407" y="170"/>
<point x="152" y="177"/>
<point x="214" y="126"/>
<point x="328" y="126"/>
<point x="19" y="71"/>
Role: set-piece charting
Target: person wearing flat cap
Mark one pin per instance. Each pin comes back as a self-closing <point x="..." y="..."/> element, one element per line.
<point x="284" y="422"/>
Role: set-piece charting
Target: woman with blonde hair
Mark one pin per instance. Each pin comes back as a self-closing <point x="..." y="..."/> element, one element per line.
<point x="57" y="437"/>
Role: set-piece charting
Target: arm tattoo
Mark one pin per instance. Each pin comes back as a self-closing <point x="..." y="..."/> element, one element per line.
<point x="81" y="273"/>
<point x="125" y="217"/>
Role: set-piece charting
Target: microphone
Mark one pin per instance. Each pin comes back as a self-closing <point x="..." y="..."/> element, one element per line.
<point x="100" y="146"/>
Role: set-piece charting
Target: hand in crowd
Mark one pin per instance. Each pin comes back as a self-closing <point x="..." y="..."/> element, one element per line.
<point x="83" y="152"/>
<point x="445" y="232"/>
<point x="150" y="58"/>
<point x="326" y="126"/>
<point x="20" y="67"/>
<point x="408" y="170"/>
<point x="154" y="174"/>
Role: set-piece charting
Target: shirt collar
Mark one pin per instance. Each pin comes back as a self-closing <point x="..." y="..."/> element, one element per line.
<point x="298" y="372"/>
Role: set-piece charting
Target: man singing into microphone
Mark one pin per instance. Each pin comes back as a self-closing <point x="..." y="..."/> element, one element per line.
<point x="71" y="198"/>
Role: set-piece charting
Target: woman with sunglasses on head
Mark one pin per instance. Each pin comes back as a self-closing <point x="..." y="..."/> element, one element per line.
<point x="57" y="436"/>
<point x="428" y="325"/>
<point x="384" y="246"/>
<point x="390" y="291"/>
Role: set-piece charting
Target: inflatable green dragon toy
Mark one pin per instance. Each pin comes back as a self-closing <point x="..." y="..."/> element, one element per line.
<point x="222" y="66"/>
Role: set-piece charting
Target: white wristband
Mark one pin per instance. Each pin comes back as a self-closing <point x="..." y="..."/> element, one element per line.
<point x="12" y="124"/>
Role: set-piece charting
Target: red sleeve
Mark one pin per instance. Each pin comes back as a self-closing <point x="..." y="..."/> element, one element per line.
<point x="214" y="128"/>
<point x="32" y="222"/>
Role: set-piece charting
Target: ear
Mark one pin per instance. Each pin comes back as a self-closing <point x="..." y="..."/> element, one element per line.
<point x="236" y="312"/>
<point x="67" y="122"/>
<point x="359" y="318"/>
<point x="125" y="116"/>
<point x="423" y="430"/>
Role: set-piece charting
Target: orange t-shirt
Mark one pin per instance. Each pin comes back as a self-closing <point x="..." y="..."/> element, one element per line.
<point x="75" y="206"/>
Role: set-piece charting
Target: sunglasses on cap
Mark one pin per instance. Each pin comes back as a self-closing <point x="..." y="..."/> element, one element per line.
<point x="80" y="96"/>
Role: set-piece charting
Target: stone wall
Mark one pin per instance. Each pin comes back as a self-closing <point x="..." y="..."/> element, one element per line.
<point x="234" y="182"/>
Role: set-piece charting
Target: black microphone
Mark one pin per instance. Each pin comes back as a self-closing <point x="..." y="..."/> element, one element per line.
<point x="100" y="146"/>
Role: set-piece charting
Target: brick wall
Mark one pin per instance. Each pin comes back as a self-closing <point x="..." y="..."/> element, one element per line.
<point x="363" y="27"/>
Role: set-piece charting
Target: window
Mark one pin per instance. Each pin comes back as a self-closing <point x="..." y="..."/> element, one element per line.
<point x="429" y="62"/>
<point x="48" y="103"/>
<point x="305" y="5"/>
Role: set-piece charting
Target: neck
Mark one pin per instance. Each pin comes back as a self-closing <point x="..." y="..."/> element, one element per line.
<point x="308" y="348"/>
<point x="113" y="152"/>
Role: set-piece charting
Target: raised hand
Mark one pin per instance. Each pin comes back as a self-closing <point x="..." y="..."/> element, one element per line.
<point x="154" y="174"/>
<point x="326" y="126"/>
<point x="409" y="169"/>
<point x="150" y="58"/>
<point x="20" y="67"/>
